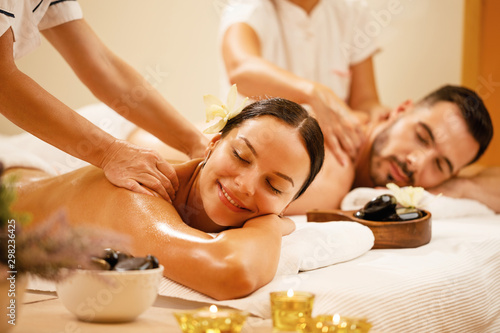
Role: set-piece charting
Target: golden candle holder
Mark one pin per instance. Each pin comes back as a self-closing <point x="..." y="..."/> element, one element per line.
<point x="334" y="324"/>
<point x="211" y="320"/>
<point x="290" y="309"/>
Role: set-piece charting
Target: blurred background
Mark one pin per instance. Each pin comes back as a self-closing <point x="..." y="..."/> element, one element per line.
<point x="425" y="44"/>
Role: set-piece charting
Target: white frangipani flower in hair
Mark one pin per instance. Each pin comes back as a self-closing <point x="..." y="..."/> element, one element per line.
<point x="407" y="196"/>
<point x="219" y="113"/>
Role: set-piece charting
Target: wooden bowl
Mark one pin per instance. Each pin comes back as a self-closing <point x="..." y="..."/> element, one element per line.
<point x="388" y="235"/>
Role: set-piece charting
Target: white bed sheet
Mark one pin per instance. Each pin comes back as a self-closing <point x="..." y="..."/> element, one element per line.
<point x="451" y="284"/>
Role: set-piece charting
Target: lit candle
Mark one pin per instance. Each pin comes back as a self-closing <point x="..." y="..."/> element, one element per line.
<point x="211" y="320"/>
<point x="289" y="309"/>
<point x="336" y="319"/>
<point x="335" y="323"/>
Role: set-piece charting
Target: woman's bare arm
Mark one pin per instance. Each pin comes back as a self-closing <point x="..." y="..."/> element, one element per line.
<point x="233" y="264"/>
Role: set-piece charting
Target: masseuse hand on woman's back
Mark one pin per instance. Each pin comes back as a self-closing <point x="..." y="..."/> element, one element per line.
<point x="139" y="169"/>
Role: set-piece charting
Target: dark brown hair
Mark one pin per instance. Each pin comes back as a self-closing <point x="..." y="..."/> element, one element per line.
<point x="472" y="109"/>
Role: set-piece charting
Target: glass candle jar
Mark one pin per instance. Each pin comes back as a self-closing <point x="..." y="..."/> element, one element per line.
<point x="289" y="309"/>
<point x="211" y="320"/>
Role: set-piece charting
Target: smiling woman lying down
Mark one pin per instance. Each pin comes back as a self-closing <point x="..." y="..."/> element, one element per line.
<point x="262" y="160"/>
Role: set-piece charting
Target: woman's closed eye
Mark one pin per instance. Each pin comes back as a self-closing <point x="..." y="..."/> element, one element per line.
<point x="238" y="157"/>
<point x="244" y="160"/>
<point x="273" y="189"/>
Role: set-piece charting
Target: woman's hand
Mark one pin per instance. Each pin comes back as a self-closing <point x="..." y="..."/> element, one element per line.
<point x="136" y="168"/>
<point x="340" y="127"/>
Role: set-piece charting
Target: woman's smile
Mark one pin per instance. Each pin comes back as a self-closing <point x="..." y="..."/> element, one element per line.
<point x="232" y="203"/>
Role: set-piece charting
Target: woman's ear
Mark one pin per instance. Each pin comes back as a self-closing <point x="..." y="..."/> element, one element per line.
<point x="211" y="145"/>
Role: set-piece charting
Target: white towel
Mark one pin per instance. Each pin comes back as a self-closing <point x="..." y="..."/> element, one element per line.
<point x="13" y="156"/>
<point x="441" y="207"/>
<point x="316" y="245"/>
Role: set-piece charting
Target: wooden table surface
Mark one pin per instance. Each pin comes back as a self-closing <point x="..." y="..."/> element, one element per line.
<point x="43" y="312"/>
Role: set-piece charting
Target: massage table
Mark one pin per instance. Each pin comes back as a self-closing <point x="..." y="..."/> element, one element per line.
<point x="451" y="284"/>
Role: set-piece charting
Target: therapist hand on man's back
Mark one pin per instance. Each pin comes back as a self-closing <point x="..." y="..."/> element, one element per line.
<point x="342" y="131"/>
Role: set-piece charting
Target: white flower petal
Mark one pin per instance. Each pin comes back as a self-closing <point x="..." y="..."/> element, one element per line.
<point x="235" y="112"/>
<point x="215" y="126"/>
<point x="414" y="194"/>
<point x="210" y="100"/>
<point x="231" y="97"/>
<point x="405" y="199"/>
<point x="408" y="196"/>
<point x="215" y="111"/>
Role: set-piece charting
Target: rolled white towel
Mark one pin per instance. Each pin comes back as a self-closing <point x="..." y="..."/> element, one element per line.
<point x="12" y="156"/>
<point x="315" y="245"/>
<point x="441" y="207"/>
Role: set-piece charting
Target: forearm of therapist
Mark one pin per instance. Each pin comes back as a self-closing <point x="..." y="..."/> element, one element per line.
<point x="122" y="88"/>
<point x="32" y="108"/>
<point x="254" y="75"/>
<point x="363" y="92"/>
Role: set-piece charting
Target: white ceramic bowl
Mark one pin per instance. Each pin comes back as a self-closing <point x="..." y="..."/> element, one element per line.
<point x="109" y="296"/>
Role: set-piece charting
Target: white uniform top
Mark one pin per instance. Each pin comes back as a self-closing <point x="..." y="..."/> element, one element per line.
<point x="320" y="46"/>
<point x="28" y="17"/>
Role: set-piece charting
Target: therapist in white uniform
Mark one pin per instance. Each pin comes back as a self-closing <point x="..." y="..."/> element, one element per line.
<point x="109" y="78"/>
<point x="313" y="52"/>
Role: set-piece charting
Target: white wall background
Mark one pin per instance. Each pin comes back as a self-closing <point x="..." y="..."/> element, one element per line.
<point x="421" y="49"/>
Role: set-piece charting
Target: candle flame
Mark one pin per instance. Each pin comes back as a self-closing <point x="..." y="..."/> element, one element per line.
<point x="213" y="308"/>
<point x="289" y="293"/>
<point x="336" y="319"/>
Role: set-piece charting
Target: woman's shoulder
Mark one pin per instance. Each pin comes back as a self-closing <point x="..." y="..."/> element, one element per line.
<point x="187" y="170"/>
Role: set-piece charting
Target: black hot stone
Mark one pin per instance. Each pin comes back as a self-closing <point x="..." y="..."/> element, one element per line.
<point x="381" y="203"/>
<point x="101" y="263"/>
<point x="121" y="261"/>
<point x="406" y="214"/>
<point x="111" y="256"/>
<point x="123" y="256"/>
<point x="133" y="264"/>
<point x="153" y="260"/>
<point x="378" y="209"/>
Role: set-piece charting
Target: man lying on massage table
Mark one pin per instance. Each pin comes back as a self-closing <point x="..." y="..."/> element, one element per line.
<point x="239" y="191"/>
<point x="424" y="144"/>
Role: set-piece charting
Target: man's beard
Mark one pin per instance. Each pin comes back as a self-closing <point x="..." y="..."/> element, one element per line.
<point x="379" y="143"/>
